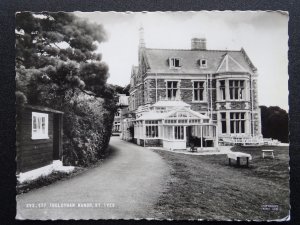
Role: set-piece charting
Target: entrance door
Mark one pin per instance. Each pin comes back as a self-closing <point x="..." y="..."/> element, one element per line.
<point x="188" y="135"/>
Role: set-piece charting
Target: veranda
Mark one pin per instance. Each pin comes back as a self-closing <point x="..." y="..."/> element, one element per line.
<point x="177" y="129"/>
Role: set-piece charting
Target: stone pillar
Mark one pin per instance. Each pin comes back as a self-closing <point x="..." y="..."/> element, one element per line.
<point x="247" y="90"/>
<point x="227" y="90"/>
<point x="201" y="136"/>
<point x="247" y="123"/>
<point x="228" y="123"/>
<point x="218" y="90"/>
<point x="173" y="132"/>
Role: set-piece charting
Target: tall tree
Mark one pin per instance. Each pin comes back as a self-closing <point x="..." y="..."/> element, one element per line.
<point x="55" y="57"/>
<point x="275" y="123"/>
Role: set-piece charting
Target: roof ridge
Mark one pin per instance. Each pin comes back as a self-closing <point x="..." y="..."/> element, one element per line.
<point x="207" y="50"/>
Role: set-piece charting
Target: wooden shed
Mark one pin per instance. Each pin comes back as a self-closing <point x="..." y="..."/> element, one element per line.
<point x="38" y="137"/>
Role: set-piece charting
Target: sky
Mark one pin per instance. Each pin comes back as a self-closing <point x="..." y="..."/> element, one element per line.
<point x="263" y="35"/>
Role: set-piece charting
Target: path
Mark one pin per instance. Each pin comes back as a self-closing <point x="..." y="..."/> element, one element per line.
<point x="131" y="181"/>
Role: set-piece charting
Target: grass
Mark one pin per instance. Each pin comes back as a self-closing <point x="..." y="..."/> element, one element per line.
<point x="206" y="187"/>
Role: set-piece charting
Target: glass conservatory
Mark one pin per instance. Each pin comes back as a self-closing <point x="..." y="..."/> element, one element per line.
<point x="175" y="127"/>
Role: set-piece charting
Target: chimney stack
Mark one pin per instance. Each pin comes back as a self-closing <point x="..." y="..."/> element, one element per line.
<point x="198" y="44"/>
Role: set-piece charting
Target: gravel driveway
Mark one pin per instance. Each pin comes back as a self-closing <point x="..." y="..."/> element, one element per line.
<point x="125" y="186"/>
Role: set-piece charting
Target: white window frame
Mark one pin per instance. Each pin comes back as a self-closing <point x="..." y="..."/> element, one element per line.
<point x="240" y="88"/>
<point x="172" y="62"/>
<point x="203" y="94"/>
<point x="237" y="121"/>
<point x="38" y="131"/>
<point x="179" y="132"/>
<point x="203" y="65"/>
<point x="152" y="129"/>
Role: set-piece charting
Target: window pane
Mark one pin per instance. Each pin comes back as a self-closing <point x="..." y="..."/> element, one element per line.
<point x="237" y="124"/>
<point x="236" y="93"/>
<point x="174" y="93"/>
<point x="223" y="115"/>
<point x="242" y="126"/>
<point x="242" y="115"/>
<point x="196" y="95"/>
<point x="34" y="123"/>
<point x="231" y="93"/>
<point x="223" y="127"/>
<point x="181" y="133"/>
<point x="169" y="94"/>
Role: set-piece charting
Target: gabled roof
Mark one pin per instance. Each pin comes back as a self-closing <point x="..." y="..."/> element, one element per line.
<point x="229" y="64"/>
<point x="158" y="60"/>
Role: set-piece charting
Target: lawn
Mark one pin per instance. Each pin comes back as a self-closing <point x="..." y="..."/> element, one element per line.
<point x="206" y="187"/>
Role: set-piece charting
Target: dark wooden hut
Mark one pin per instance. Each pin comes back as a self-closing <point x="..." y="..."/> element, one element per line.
<point x="39" y="137"/>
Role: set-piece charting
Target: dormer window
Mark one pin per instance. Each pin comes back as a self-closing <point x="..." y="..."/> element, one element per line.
<point x="203" y="63"/>
<point x="175" y="62"/>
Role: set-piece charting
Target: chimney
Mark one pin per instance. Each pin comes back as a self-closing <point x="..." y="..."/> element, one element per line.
<point x="198" y="44"/>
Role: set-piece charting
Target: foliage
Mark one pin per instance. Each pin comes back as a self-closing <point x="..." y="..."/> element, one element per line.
<point x="86" y="131"/>
<point x="57" y="65"/>
<point x="55" y="53"/>
<point x="274" y="121"/>
<point x="121" y="90"/>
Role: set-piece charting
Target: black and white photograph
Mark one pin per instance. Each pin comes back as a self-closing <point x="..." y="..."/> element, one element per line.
<point x="152" y="115"/>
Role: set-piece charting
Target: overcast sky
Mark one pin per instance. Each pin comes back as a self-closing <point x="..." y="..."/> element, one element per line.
<point x="264" y="36"/>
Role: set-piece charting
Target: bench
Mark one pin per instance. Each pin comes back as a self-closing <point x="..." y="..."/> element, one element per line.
<point x="237" y="157"/>
<point x="267" y="153"/>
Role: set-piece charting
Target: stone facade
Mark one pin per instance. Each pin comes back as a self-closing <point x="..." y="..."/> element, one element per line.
<point x="239" y="87"/>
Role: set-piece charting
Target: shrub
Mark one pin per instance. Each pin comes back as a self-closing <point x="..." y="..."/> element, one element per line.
<point x="87" y="131"/>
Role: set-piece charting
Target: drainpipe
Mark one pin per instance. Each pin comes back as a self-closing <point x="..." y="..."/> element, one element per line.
<point x="252" y="119"/>
<point x="207" y="93"/>
<point x="156" y="86"/>
<point x="211" y="96"/>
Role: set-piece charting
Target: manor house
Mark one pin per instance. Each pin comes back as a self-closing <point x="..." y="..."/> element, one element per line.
<point x="220" y="85"/>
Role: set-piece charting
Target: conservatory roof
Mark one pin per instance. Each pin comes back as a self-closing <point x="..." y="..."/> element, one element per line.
<point x="174" y="103"/>
<point x="153" y="115"/>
